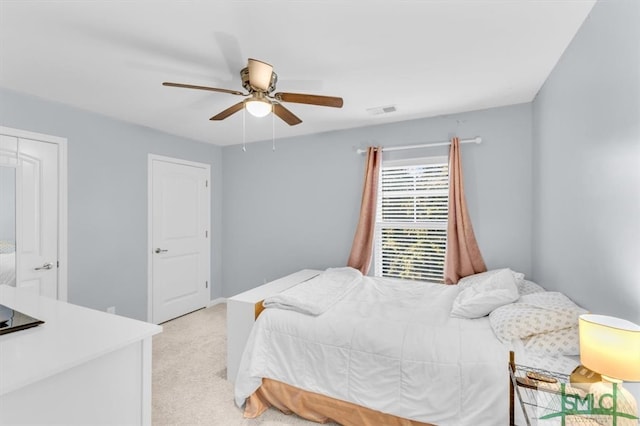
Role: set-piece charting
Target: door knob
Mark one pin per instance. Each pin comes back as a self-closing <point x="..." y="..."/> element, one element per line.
<point x="48" y="265"/>
<point x="159" y="250"/>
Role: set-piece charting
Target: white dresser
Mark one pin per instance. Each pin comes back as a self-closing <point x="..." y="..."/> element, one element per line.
<point x="244" y="308"/>
<point x="81" y="367"/>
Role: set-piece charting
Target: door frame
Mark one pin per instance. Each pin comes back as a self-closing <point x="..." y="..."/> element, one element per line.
<point x="63" y="258"/>
<point x="150" y="159"/>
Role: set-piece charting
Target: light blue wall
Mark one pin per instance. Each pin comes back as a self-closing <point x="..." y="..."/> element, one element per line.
<point x="586" y="188"/>
<point x="107" y="167"/>
<point x="298" y="207"/>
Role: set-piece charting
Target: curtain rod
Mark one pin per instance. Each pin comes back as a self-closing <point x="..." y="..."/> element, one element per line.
<point x="428" y="145"/>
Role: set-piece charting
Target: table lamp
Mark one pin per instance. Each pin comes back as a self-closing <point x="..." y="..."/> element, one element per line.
<point x="611" y="346"/>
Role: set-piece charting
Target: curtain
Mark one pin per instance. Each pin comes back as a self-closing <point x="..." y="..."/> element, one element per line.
<point x="360" y="257"/>
<point x="462" y="256"/>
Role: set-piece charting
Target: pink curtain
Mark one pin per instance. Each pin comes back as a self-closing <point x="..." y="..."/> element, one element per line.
<point x="360" y="257"/>
<point x="463" y="256"/>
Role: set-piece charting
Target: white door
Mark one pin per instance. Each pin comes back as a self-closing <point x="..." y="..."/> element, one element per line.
<point x="36" y="211"/>
<point x="179" y="214"/>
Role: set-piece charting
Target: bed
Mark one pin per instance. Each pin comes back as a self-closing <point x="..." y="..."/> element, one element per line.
<point x="7" y="263"/>
<point x="391" y="347"/>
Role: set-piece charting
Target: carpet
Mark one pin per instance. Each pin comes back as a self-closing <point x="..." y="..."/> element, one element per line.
<point x="189" y="375"/>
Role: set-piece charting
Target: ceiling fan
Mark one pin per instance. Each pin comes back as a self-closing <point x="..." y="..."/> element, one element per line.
<point x="259" y="81"/>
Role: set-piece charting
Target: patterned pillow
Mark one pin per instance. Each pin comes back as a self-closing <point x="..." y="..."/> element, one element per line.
<point x="534" y="314"/>
<point x="528" y="287"/>
<point x="565" y="341"/>
<point x="483" y="276"/>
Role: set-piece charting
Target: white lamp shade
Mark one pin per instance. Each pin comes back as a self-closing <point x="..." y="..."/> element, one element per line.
<point x="610" y="346"/>
<point x="257" y="108"/>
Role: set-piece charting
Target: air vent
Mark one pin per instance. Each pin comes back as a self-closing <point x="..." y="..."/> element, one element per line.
<point x="382" y="110"/>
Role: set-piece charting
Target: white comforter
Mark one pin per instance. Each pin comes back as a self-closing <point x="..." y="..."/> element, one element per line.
<point x="317" y="295"/>
<point x="389" y="345"/>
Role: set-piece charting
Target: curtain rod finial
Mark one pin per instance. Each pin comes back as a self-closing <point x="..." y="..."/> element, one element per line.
<point x="478" y="139"/>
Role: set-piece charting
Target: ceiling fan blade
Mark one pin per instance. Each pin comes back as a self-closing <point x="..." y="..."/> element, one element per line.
<point x="212" y="89"/>
<point x="259" y="74"/>
<point x="229" y="111"/>
<point x="302" y="98"/>
<point x="290" y="118"/>
<point x="231" y="52"/>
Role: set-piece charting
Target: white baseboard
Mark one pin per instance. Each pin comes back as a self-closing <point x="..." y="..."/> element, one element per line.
<point x="217" y="301"/>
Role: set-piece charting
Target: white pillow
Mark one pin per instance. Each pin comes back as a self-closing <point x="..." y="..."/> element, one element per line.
<point x="470" y="280"/>
<point x="483" y="297"/>
<point x="534" y="314"/>
<point x="529" y="287"/>
<point x="565" y="341"/>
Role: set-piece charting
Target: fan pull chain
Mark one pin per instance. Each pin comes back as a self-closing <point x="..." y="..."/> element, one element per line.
<point x="244" y="131"/>
<point x="273" y="131"/>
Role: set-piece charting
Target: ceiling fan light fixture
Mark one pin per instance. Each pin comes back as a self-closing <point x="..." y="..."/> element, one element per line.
<point x="257" y="107"/>
<point x="259" y="81"/>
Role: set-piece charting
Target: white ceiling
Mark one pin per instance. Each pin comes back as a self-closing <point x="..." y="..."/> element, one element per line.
<point x="427" y="58"/>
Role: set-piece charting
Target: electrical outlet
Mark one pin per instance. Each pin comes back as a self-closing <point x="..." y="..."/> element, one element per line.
<point x="111" y="310"/>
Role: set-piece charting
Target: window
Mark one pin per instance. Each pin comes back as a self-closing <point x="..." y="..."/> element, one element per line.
<point x="411" y="219"/>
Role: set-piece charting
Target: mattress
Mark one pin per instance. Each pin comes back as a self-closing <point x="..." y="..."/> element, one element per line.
<point x="389" y="345"/>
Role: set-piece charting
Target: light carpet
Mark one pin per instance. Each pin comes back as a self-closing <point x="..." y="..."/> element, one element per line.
<point x="189" y="375"/>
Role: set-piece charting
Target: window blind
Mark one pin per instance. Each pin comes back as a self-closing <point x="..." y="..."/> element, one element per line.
<point x="411" y="222"/>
